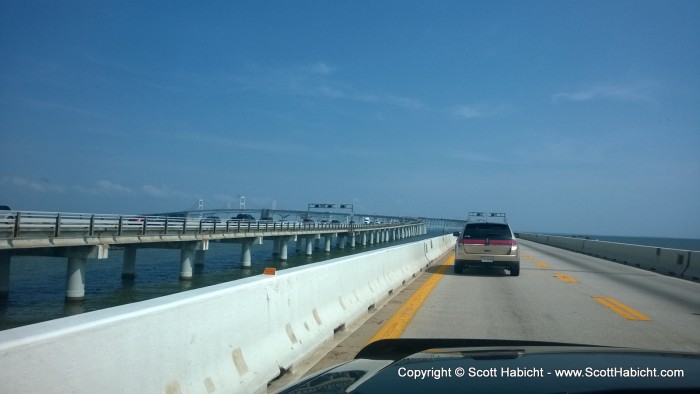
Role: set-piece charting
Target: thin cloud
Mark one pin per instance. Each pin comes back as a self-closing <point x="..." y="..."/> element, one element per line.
<point x="165" y="192"/>
<point x="319" y="68"/>
<point x="633" y="92"/>
<point x="42" y="187"/>
<point x="468" y="112"/>
<point x="105" y="187"/>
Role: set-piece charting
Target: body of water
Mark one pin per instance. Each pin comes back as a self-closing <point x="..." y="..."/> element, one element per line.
<point x="658" y="242"/>
<point x="38" y="284"/>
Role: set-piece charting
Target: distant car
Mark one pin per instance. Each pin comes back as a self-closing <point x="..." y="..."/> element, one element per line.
<point x="212" y="219"/>
<point x="367" y="220"/>
<point x="334" y="221"/>
<point x="307" y="221"/>
<point x="489" y="245"/>
<point x="6" y="213"/>
<point x="242" y="217"/>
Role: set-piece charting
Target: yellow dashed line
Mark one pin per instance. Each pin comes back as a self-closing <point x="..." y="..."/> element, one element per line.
<point x="566" y="278"/>
<point x="398" y="323"/>
<point x="621" y="309"/>
<point x="542" y="264"/>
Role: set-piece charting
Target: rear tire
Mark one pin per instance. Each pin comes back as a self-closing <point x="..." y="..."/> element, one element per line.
<point x="458" y="268"/>
<point x="515" y="270"/>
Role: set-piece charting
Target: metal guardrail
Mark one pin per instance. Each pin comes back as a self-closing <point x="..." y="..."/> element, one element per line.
<point x="27" y="225"/>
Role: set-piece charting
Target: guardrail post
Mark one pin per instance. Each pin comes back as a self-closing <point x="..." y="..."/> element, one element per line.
<point x="184" y="225"/>
<point x="57" y="229"/>
<point x="16" y="229"/>
<point x="120" y="225"/>
<point x="200" y="226"/>
<point x="92" y="226"/>
<point x="166" y="226"/>
<point x="145" y="221"/>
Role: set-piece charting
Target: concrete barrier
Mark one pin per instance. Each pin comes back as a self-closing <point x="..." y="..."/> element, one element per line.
<point x="666" y="261"/>
<point x="692" y="272"/>
<point x="232" y="337"/>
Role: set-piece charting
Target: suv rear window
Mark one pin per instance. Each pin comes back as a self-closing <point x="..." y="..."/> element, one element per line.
<point x="487" y="230"/>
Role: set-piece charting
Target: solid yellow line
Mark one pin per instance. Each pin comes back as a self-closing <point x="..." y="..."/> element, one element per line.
<point x="398" y="323"/>
<point x="621" y="309"/>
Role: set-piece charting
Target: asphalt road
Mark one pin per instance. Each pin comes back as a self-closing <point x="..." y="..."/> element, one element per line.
<point x="560" y="296"/>
<point x="565" y="297"/>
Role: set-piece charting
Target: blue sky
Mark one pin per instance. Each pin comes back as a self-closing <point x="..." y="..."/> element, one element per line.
<point x="576" y="117"/>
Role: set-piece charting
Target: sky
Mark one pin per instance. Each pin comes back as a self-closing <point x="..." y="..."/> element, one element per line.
<point x="577" y="117"/>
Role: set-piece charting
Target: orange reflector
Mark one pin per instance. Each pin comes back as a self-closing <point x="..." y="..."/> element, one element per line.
<point x="270" y="271"/>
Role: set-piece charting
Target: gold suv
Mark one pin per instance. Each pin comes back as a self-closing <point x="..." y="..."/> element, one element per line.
<point x="487" y="244"/>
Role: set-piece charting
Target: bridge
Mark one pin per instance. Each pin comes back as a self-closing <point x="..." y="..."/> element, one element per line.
<point x="79" y="237"/>
<point x="256" y="334"/>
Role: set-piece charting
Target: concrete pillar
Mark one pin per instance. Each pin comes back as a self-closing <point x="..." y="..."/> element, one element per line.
<point x="341" y="241"/>
<point x="371" y="237"/>
<point x="364" y="238"/>
<point x="328" y="238"/>
<point x="129" y="263"/>
<point x="352" y="240"/>
<point x="310" y="246"/>
<point x="245" y="252"/>
<point x="187" y="252"/>
<point x="75" y="278"/>
<point x="283" y="248"/>
<point x="4" y="274"/>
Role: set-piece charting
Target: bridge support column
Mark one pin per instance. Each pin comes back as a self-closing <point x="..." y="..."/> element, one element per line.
<point x="352" y="240"/>
<point x="75" y="278"/>
<point x="75" y="272"/>
<point x="283" y="248"/>
<point x="246" y="259"/>
<point x="328" y="238"/>
<point x="129" y="263"/>
<point x="4" y="274"/>
<point x="371" y="237"/>
<point x="310" y="245"/>
<point x="187" y="252"/>
<point x="341" y="241"/>
<point x="364" y="238"/>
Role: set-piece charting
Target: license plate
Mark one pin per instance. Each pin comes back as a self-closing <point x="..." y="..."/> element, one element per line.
<point x="486" y="259"/>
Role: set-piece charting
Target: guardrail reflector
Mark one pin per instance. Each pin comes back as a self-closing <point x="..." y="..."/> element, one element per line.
<point x="270" y="271"/>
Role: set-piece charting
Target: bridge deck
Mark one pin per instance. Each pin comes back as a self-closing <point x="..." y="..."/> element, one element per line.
<point x="559" y="296"/>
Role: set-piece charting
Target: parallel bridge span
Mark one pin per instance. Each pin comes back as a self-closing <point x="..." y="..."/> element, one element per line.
<point x="79" y="237"/>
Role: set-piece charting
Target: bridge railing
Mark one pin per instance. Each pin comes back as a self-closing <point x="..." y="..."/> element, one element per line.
<point x="28" y="224"/>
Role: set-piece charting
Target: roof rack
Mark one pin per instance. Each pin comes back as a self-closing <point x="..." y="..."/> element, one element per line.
<point x="483" y="216"/>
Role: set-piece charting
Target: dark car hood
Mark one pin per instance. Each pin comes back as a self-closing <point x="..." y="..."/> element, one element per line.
<point x="493" y="366"/>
